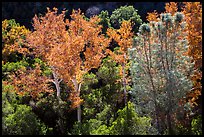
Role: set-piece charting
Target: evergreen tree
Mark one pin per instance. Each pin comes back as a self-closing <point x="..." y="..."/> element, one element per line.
<point x="160" y="69"/>
<point x="125" y="13"/>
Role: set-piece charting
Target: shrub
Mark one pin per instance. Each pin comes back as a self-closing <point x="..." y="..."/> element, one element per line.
<point x="129" y="122"/>
<point x="18" y="119"/>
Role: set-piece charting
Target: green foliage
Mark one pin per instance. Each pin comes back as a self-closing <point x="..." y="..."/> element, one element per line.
<point x="180" y="130"/>
<point x="196" y="125"/>
<point x="7" y="27"/>
<point x="98" y="95"/>
<point x="90" y="95"/>
<point x="125" y="13"/>
<point x="11" y="67"/>
<point x="98" y="109"/>
<point x="89" y="80"/>
<point x="108" y="71"/>
<point x="160" y="68"/>
<point x="80" y="129"/>
<point x="23" y="122"/>
<point x="129" y="123"/>
<point x="105" y="21"/>
<point x="25" y="63"/>
<point x="90" y="127"/>
<point x="18" y="119"/>
<point x="54" y="112"/>
<point x="102" y="130"/>
<point x="46" y="69"/>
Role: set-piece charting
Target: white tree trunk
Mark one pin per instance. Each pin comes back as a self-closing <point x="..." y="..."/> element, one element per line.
<point x="77" y="89"/>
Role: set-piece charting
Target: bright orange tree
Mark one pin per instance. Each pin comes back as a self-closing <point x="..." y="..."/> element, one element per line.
<point x="71" y="48"/>
<point x="49" y="32"/>
<point x="123" y="36"/>
<point x="193" y="16"/>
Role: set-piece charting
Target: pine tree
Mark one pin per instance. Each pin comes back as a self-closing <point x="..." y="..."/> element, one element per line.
<point x="161" y="68"/>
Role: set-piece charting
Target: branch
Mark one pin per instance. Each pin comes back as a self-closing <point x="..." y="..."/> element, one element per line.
<point x="60" y="80"/>
<point x="51" y="80"/>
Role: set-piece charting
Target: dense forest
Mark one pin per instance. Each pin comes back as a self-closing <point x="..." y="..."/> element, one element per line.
<point x="109" y="68"/>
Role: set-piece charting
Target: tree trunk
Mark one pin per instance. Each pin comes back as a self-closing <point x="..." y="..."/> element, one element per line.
<point x="169" y="122"/>
<point x="77" y="89"/>
<point x="79" y="107"/>
<point x="126" y="132"/>
<point x="124" y="84"/>
<point x="56" y="81"/>
<point x="58" y="90"/>
<point x="79" y="113"/>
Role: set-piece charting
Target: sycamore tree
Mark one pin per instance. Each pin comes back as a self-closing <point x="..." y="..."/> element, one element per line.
<point x="161" y="69"/>
<point x="193" y="14"/>
<point x="70" y="47"/>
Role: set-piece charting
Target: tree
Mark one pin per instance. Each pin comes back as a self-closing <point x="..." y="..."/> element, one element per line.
<point x="193" y="18"/>
<point x="13" y="36"/>
<point x="71" y="48"/>
<point x="161" y="68"/>
<point x="102" y="90"/>
<point x="153" y="16"/>
<point x="125" y="13"/>
<point x="105" y="21"/>
<point x="171" y="7"/>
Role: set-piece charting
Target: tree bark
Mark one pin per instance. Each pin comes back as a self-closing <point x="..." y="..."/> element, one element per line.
<point x="79" y="107"/>
<point x="169" y="90"/>
<point x="77" y="89"/>
<point x="56" y="81"/>
<point x="79" y="113"/>
<point x="124" y="84"/>
<point x="152" y="84"/>
<point x="125" y="98"/>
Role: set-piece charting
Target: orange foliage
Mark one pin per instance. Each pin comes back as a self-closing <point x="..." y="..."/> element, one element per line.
<point x="193" y="16"/>
<point x="152" y="16"/>
<point x="171" y="7"/>
<point x="30" y="82"/>
<point x="71" y="52"/>
<point x="123" y="37"/>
